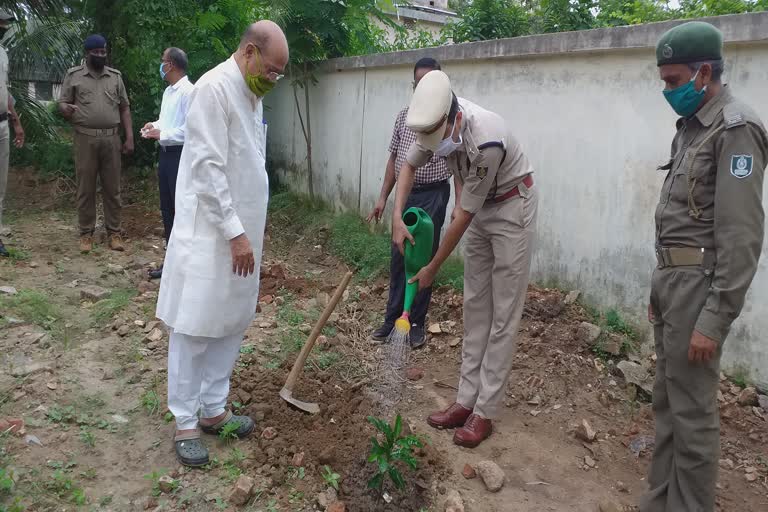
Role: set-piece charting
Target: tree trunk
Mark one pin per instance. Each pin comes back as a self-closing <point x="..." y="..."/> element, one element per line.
<point x="308" y="134"/>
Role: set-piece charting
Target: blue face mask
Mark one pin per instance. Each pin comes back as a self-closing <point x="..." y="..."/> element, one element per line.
<point x="162" y="73"/>
<point x="686" y="99"/>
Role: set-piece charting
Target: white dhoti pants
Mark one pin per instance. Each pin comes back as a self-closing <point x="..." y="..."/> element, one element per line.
<point x="199" y="370"/>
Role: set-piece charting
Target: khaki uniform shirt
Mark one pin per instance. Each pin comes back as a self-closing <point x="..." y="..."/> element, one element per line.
<point x="98" y="97"/>
<point x="712" y="199"/>
<point x="3" y="80"/>
<point x="489" y="162"/>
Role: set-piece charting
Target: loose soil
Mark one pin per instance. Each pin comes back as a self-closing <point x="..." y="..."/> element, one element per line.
<point x="96" y="399"/>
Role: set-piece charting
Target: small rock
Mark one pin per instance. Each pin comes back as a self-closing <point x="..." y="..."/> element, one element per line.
<point x="108" y="375"/>
<point x="727" y="464"/>
<point x="139" y="323"/>
<point x="327" y="456"/>
<point x="590" y="332"/>
<point x="612" y="346"/>
<point x="454" y="342"/>
<point x="610" y="507"/>
<point x="750" y="469"/>
<point x="124" y="330"/>
<point x="33" y="264"/>
<point x="491" y="475"/>
<point x="298" y="460"/>
<point x="327" y="497"/>
<point x="154" y="335"/>
<point x="536" y="400"/>
<point x="305" y="328"/>
<point x="589" y="461"/>
<point x="322" y="340"/>
<point x="115" y="269"/>
<point x="119" y="419"/>
<point x="29" y="439"/>
<point x="166" y="484"/>
<point x="636" y="374"/>
<point x="414" y="373"/>
<point x="748" y="397"/>
<point x="52" y="385"/>
<point x="763" y="401"/>
<point x="585" y="432"/>
<point x="8" y="290"/>
<point x="151" y="325"/>
<point x="453" y="502"/>
<point x="29" y="369"/>
<point x="622" y="487"/>
<point x="751" y="477"/>
<point x="322" y="299"/>
<point x="337" y="506"/>
<point x="434" y="328"/>
<point x="572" y="297"/>
<point x="94" y="293"/>
<point x="242" y="491"/>
<point x="535" y="412"/>
<point x="641" y="444"/>
<point x="468" y="472"/>
<point x="269" y="433"/>
<point x="279" y="301"/>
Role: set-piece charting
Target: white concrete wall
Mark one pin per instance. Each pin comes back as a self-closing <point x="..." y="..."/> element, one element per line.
<point x="595" y="125"/>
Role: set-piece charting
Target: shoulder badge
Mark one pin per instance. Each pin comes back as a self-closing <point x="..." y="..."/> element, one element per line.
<point x="113" y="70"/>
<point x="481" y="172"/>
<point x="741" y="166"/>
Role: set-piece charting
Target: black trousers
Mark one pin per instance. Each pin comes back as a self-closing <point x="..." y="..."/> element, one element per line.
<point x="434" y="200"/>
<point x="167" y="171"/>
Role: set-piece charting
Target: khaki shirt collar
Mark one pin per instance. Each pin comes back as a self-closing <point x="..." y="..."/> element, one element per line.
<point x="709" y="112"/>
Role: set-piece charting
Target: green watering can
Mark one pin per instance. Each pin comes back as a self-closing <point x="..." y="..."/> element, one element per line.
<point x="422" y="229"/>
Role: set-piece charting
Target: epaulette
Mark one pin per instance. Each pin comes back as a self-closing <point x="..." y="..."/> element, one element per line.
<point x="733" y="116"/>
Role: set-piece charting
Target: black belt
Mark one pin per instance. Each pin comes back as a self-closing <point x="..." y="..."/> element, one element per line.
<point x="429" y="186"/>
<point x="172" y="149"/>
<point x="3" y="117"/>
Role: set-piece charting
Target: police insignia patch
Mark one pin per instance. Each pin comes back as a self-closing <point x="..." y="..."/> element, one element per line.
<point x="667" y="51"/>
<point x="741" y="166"/>
<point x="481" y="172"/>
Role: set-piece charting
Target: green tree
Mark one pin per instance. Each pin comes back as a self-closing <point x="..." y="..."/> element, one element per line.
<point x="611" y="13"/>
<point x="489" y="19"/>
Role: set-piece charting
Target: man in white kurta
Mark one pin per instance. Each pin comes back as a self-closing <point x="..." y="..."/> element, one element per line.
<point x="210" y="285"/>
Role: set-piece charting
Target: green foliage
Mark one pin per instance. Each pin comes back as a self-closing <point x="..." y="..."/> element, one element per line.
<point x="490" y="19"/>
<point x="352" y="241"/>
<point x="616" y="324"/>
<point x="451" y="273"/>
<point x="106" y="309"/>
<point x="394" y="449"/>
<point x="331" y="478"/>
<point x="32" y="306"/>
<point x="64" y="488"/>
<point x="228" y="432"/>
<point x="150" y="401"/>
<point x="87" y="437"/>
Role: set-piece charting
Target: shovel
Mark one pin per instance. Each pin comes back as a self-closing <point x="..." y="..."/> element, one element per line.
<point x="287" y="392"/>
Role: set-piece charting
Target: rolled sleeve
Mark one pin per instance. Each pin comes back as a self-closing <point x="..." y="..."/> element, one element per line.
<point x="482" y="175"/>
<point x="395" y="142"/>
<point x="67" y="93"/>
<point x="739" y="228"/>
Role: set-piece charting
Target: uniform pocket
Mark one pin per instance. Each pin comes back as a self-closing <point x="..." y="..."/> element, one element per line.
<point x="84" y="97"/>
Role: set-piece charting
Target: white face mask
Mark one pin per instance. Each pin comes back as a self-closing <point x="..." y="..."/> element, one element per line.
<point x="447" y="145"/>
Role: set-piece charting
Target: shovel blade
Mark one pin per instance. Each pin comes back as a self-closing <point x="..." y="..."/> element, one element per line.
<point x="287" y="395"/>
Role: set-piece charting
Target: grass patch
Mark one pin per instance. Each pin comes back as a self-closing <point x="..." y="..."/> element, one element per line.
<point x="451" y="273"/>
<point x="16" y="254"/>
<point x="351" y="240"/>
<point x="105" y="310"/>
<point x="32" y="306"/>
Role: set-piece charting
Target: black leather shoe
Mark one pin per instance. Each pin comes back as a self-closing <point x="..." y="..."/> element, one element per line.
<point x="382" y="333"/>
<point x="3" y="251"/>
<point x="157" y="273"/>
<point x="417" y="337"/>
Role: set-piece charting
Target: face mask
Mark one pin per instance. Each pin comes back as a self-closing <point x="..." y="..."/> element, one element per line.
<point x="97" y="62"/>
<point x="162" y="73"/>
<point x="686" y="99"/>
<point x="258" y="84"/>
<point x="447" y="145"/>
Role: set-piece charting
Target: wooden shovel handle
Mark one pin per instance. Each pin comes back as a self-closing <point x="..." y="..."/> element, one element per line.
<point x="298" y="366"/>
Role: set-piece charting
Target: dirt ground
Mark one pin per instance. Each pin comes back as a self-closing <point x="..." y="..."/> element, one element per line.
<point x="87" y="376"/>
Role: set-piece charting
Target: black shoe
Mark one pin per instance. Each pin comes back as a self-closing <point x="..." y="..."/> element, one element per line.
<point x="417" y="337"/>
<point x="3" y="251"/>
<point x="382" y="333"/>
<point x="157" y="273"/>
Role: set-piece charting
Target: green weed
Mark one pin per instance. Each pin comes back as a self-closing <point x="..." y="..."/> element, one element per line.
<point x="451" y="273"/>
<point x="150" y="401"/>
<point x="58" y="414"/>
<point x="331" y="478"/>
<point x="229" y="432"/>
<point x="618" y="325"/>
<point x="295" y="496"/>
<point x="297" y="473"/>
<point x="105" y="310"/>
<point x="326" y="360"/>
<point x="32" y="306"/>
<point x="154" y="478"/>
<point x="15" y="254"/>
<point x="64" y="488"/>
<point x="394" y="449"/>
<point x="87" y="437"/>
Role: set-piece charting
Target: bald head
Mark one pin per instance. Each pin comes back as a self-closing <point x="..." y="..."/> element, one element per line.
<point x="264" y="34"/>
<point x="263" y="51"/>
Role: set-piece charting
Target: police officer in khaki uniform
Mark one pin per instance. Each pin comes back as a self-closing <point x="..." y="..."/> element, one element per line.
<point x="709" y="234"/>
<point x="497" y="208"/>
<point x="94" y="100"/>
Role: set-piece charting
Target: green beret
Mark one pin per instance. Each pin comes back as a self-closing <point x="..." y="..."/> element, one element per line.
<point x="694" y="41"/>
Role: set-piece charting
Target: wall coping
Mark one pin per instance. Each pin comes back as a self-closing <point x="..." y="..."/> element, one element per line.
<point x="736" y="28"/>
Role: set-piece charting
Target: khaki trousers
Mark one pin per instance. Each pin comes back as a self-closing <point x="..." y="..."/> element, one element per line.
<point x="683" y="472"/>
<point x="97" y="157"/>
<point x="497" y="263"/>
<point x="4" y="154"/>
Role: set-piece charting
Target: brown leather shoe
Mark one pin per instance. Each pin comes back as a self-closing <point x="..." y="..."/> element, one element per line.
<point x="116" y="242"/>
<point x="476" y="430"/>
<point x="86" y="243"/>
<point x="452" y="417"/>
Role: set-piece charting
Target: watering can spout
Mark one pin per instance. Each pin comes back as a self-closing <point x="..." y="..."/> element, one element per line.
<point x="420" y="226"/>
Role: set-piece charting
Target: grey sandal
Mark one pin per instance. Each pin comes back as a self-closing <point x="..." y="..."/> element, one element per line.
<point x="245" y="425"/>
<point x="190" y="450"/>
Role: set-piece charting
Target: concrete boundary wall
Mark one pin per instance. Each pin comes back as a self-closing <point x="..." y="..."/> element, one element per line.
<point x="588" y="110"/>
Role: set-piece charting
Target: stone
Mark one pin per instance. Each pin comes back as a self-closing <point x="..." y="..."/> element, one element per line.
<point x="242" y="491"/>
<point x="748" y="397"/>
<point x="453" y="502"/>
<point x="8" y="290"/>
<point x="590" y="332"/>
<point x="305" y="328"/>
<point x="52" y="385"/>
<point x="589" y="461"/>
<point x="763" y="401"/>
<point x="29" y="440"/>
<point x="622" y="487"/>
<point x="585" y="432"/>
<point x="154" y="335"/>
<point x="124" y="330"/>
<point x="166" y="484"/>
<point x="279" y="301"/>
<point x="491" y="475"/>
<point x="324" y="499"/>
<point x="751" y="477"/>
<point x="337" y="506"/>
<point x="94" y="293"/>
<point x="298" y="460"/>
<point x="468" y="472"/>
<point x="269" y="433"/>
<point x="322" y="340"/>
<point x="454" y="342"/>
<point x="434" y="329"/>
<point x="268" y="325"/>
<point x="29" y="369"/>
<point x="572" y="297"/>
<point x="33" y="264"/>
<point x="636" y="374"/>
<point x="609" y="506"/>
<point x="414" y="373"/>
<point x="139" y="323"/>
<point x="727" y="464"/>
<point x="151" y="325"/>
<point x="322" y="299"/>
<point x="612" y="346"/>
<point x="115" y="269"/>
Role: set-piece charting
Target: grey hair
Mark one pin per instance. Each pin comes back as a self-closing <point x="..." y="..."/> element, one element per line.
<point x="178" y="58"/>
<point x="718" y="67"/>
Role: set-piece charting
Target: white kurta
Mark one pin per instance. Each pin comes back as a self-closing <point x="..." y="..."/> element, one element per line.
<point x="221" y="192"/>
